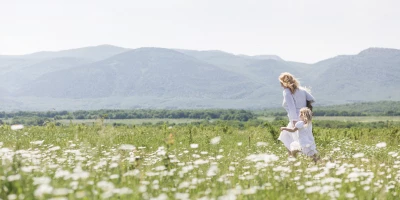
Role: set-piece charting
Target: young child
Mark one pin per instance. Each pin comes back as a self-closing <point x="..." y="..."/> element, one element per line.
<point x="306" y="142"/>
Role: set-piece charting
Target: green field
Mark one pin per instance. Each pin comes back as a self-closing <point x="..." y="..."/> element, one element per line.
<point x="348" y="119"/>
<point x="187" y="121"/>
<point x="128" y="121"/>
<point x="195" y="162"/>
<point x="360" y="119"/>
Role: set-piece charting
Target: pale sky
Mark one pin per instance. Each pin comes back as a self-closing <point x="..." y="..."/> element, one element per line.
<point x="297" y="30"/>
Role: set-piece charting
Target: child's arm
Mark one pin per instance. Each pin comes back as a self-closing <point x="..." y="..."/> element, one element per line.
<point x="289" y="129"/>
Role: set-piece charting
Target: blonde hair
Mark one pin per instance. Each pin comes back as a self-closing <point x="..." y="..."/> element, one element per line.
<point x="306" y="113"/>
<point x="289" y="81"/>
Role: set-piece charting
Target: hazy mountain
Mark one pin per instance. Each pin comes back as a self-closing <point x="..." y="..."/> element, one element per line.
<point x="94" y="53"/>
<point x="221" y="58"/>
<point x="143" y="72"/>
<point x="373" y="74"/>
<point x="241" y="64"/>
<point x="17" y="70"/>
<point x="14" y="78"/>
<point x="10" y="63"/>
<point x="112" y="77"/>
<point x="263" y="57"/>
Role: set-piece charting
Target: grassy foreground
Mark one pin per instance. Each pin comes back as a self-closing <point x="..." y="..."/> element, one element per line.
<point x="194" y="162"/>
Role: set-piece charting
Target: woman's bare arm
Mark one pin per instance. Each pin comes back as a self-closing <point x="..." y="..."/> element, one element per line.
<point x="289" y="129"/>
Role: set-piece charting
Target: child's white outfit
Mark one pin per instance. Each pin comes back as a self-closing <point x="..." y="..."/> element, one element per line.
<point x="306" y="139"/>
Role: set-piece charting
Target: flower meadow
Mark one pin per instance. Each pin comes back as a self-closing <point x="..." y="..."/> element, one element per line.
<point x="194" y="162"/>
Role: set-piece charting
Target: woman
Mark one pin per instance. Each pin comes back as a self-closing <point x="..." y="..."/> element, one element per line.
<point x="294" y="98"/>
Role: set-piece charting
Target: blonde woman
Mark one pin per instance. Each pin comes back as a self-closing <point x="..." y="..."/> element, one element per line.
<point x="294" y="98"/>
<point x="306" y="143"/>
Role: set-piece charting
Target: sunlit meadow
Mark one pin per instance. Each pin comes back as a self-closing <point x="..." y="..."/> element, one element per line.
<point x="194" y="162"/>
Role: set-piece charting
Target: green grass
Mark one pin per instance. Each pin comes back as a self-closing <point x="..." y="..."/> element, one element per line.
<point x="188" y="121"/>
<point x="360" y="119"/>
<point x="128" y="121"/>
<point x="95" y="162"/>
<point x="347" y="119"/>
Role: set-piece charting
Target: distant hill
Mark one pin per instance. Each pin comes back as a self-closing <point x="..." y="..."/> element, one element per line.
<point x="94" y="53"/>
<point x="143" y="72"/>
<point x="16" y="71"/>
<point x="379" y="107"/>
<point x="106" y="76"/>
<point x="18" y="77"/>
<point x="263" y="57"/>
<point x="373" y="74"/>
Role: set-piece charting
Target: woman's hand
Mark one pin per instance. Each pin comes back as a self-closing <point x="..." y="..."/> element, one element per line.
<point x="283" y="128"/>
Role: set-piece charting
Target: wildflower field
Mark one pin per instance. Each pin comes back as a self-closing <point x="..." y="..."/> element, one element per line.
<point x="195" y="162"/>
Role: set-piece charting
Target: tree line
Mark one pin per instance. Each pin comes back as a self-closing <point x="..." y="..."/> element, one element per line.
<point x="338" y="113"/>
<point x="230" y="114"/>
<point x="325" y="113"/>
<point x="379" y="108"/>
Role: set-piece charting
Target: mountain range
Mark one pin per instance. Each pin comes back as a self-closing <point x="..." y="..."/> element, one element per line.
<point x="108" y="77"/>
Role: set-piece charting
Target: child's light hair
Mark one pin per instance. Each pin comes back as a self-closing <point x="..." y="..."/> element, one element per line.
<point x="306" y="113"/>
<point x="289" y="81"/>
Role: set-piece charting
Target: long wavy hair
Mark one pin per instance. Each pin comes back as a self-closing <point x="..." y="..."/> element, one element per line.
<point x="306" y="113"/>
<point x="289" y="81"/>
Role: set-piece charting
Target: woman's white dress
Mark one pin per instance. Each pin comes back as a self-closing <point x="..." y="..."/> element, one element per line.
<point x="292" y="104"/>
<point x="306" y="143"/>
